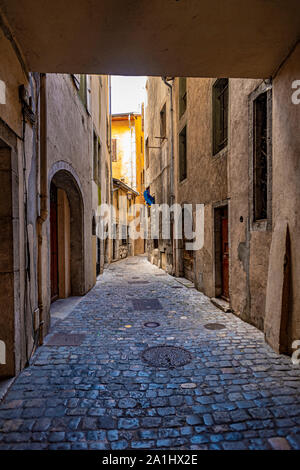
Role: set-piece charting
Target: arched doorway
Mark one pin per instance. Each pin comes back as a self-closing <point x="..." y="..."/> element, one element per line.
<point x="66" y="236"/>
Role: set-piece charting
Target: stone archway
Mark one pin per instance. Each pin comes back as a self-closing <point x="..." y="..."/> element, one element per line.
<point x="66" y="183"/>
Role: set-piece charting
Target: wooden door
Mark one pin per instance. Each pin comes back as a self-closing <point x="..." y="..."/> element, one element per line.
<point x="225" y="256"/>
<point x="53" y="243"/>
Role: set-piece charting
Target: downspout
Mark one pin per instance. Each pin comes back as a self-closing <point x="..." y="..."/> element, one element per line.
<point x="43" y="213"/>
<point x="172" y="195"/>
<point x="110" y="157"/>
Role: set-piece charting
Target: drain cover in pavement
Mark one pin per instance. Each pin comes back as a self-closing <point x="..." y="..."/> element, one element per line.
<point x="146" y="304"/>
<point x="167" y="356"/>
<point x="151" y="324"/>
<point x="214" y="326"/>
<point x="65" y="339"/>
<point x="177" y="287"/>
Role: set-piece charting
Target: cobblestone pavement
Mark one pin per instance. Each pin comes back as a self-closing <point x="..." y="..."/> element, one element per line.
<point x="103" y="395"/>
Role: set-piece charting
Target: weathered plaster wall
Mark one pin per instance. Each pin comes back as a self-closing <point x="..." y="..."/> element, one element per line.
<point x="69" y="140"/>
<point x="101" y="121"/>
<point x="249" y="249"/>
<point x="286" y="200"/>
<point x="206" y="181"/>
<point x="157" y="175"/>
<point x="18" y="244"/>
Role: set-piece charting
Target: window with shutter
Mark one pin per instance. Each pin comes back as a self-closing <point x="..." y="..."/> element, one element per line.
<point x="182" y="96"/>
<point x="95" y="158"/>
<point x="182" y="155"/>
<point x="220" y="114"/>
<point x="114" y="150"/>
<point x="88" y="93"/>
<point x="260" y="158"/>
<point x="147" y="153"/>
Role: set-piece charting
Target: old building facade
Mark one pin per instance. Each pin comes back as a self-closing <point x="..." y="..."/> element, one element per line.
<point x="229" y="144"/>
<point x="159" y="154"/>
<point x="54" y="171"/>
<point x="128" y="166"/>
<point x="124" y="199"/>
<point x="229" y="138"/>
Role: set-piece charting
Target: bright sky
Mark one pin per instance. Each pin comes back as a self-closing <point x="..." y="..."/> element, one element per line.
<point x="127" y="94"/>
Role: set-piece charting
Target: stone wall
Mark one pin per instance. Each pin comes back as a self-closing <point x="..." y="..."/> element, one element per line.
<point x="18" y="184"/>
<point x="46" y="133"/>
<point x="158" y="154"/>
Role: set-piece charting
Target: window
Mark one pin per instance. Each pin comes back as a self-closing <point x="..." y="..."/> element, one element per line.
<point x="182" y="96"/>
<point x="147" y="153"/>
<point x="114" y="150"/>
<point x="163" y="122"/>
<point x="123" y="235"/>
<point x="94" y="227"/>
<point x="220" y="114"/>
<point x="88" y="93"/>
<point x="260" y="157"/>
<point x="108" y="132"/>
<point x="95" y="158"/>
<point x="182" y="155"/>
<point x="83" y="84"/>
<point x="99" y="163"/>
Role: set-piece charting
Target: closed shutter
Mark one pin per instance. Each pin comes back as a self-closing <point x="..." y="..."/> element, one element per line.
<point x="88" y="93"/>
<point x="114" y="150"/>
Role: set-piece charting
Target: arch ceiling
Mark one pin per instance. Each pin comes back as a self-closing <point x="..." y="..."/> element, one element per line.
<point x="205" y="38"/>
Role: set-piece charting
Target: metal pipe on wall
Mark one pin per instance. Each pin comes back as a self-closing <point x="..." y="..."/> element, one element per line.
<point x="172" y="195"/>
<point x="43" y="212"/>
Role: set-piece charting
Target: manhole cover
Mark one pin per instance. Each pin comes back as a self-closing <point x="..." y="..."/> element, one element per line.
<point x="214" y="326"/>
<point x="146" y="304"/>
<point x="151" y="324"/>
<point x="167" y="356"/>
<point x="65" y="339"/>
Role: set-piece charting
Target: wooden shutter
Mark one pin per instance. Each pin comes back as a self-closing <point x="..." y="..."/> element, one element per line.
<point x="88" y="93"/>
<point x="114" y="150"/>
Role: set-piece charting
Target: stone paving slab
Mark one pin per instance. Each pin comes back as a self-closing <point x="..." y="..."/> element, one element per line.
<point x="236" y="393"/>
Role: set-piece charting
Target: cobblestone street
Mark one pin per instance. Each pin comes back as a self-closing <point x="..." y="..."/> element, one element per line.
<point x="235" y="393"/>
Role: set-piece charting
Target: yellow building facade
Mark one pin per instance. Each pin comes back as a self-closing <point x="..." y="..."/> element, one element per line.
<point x="128" y="158"/>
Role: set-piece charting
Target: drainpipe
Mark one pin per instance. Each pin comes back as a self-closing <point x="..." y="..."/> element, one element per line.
<point x="43" y="197"/>
<point x="172" y="141"/>
<point x="110" y="156"/>
<point x="172" y="195"/>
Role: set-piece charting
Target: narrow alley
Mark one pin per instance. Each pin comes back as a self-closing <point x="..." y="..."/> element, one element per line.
<point x="95" y="384"/>
<point x="149" y="226"/>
